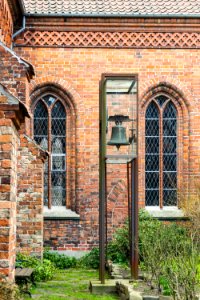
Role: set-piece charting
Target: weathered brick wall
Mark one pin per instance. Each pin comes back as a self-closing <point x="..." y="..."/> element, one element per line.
<point x="6" y="23"/>
<point x="70" y="65"/>
<point x="9" y="140"/>
<point x="117" y="197"/>
<point x="15" y="74"/>
<point x="30" y="197"/>
<point x="13" y="78"/>
<point x="78" y="71"/>
<point x="55" y="233"/>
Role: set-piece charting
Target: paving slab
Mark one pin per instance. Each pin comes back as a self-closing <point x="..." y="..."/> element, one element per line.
<point x="96" y="287"/>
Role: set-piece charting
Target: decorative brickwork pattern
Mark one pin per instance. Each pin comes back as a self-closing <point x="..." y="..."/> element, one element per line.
<point x="117" y="198"/>
<point x="110" y="39"/>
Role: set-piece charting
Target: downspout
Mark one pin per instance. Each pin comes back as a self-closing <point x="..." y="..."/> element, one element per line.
<point x="20" y="30"/>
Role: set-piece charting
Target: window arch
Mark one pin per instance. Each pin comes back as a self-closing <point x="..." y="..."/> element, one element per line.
<point x="161" y="153"/>
<point x="50" y="132"/>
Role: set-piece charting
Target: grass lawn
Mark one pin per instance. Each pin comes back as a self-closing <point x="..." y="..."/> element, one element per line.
<point x="68" y="284"/>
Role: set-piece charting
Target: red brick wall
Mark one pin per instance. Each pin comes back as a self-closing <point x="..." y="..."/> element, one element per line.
<point x="6" y="23"/>
<point x="30" y="198"/>
<point x="9" y="140"/>
<point x="14" y="74"/>
<point x="78" y="71"/>
<point x="55" y="233"/>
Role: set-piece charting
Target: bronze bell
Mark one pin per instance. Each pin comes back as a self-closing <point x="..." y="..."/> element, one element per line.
<point x="118" y="136"/>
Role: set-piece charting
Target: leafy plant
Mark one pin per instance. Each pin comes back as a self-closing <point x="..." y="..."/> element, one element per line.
<point x="157" y="242"/>
<point x="151" y="234"/>
<point x="169" y="255"/>
<point x="91" y="260"/>
<point x="181" y="271"/>
<point x="119" y="247"/>
<point x="190" y="204"/>
<point x="61" y="261"/>
<point x="43" y="269"/>
<point x="165" y="286"/>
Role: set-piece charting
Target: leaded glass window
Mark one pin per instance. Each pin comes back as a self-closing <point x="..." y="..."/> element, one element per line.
<point x="152" y="155"/>
<point x="50" y="134"/>
<point x="161" y="153"/>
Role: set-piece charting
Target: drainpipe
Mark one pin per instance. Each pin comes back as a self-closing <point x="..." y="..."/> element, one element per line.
<point x="20" y="30"/>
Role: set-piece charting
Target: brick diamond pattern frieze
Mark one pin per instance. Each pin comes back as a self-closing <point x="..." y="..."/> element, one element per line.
<point x="110" y="39"/>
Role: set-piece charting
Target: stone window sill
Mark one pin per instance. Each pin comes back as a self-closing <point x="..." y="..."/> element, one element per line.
<point x="59" y="213"/>
<point x="166" y="213"/>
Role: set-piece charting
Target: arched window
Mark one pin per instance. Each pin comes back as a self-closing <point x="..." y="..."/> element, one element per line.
<point x="50" y="122"/>
<point x="161" y="153"/>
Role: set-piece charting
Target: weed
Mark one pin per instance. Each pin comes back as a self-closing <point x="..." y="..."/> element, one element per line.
<point x="61" y="261"/>
<point x="43" y="269"/>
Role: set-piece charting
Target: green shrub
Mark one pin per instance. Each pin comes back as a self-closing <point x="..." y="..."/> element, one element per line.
<point x="90" y="260"/>
<point x="169" y="255"/>
<point x="43" y="269"/>
<point x="181" y="271"/>
<point x="165" y="286"/>
<point x="119" y="247"/>
<point x="198" y="270"/>
<point x="61" y="261"/>
<point x="157" y="241"/>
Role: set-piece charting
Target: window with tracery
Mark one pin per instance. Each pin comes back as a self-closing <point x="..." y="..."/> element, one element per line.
<point x="50" y="133"/>
<point x="161" y="153"/>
